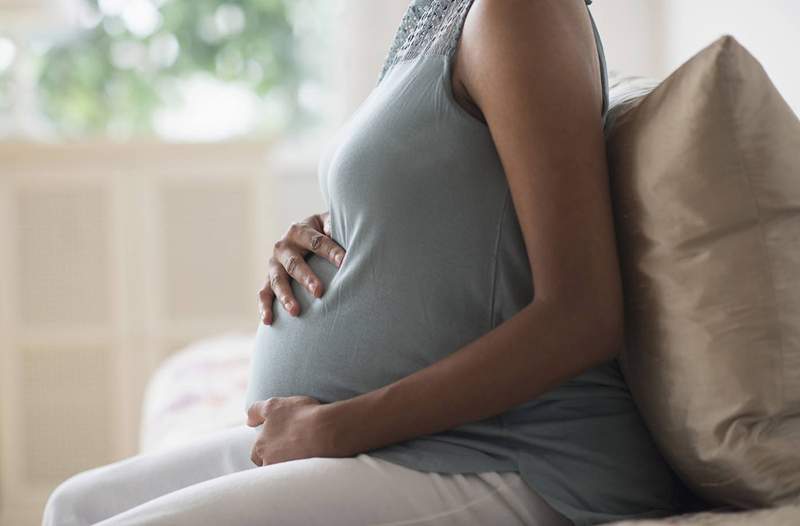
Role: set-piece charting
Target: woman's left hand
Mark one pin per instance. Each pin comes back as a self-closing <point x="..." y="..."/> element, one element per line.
<point x="293" y="429"/>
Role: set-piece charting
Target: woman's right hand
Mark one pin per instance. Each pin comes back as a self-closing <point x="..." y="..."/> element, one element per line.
<point x="288" y="261"/>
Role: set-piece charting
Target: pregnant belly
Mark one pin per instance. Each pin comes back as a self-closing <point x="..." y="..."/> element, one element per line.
<point x="292" y="356"/>
<point x="373" y="325"/>
<point x="338" y="347"/>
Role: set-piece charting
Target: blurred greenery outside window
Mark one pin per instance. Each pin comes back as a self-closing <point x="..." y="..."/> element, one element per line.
<point x="182" y="70"/>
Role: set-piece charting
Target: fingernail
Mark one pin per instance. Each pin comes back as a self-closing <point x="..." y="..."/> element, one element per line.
<point x="314" y="288"/>
<point x="338" y="259"/>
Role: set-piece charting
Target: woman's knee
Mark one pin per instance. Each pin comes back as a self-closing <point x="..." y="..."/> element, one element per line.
<point x="67" y="503"/>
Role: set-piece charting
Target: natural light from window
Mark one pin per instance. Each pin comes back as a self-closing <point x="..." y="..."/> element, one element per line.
<point x="175" y="70"/>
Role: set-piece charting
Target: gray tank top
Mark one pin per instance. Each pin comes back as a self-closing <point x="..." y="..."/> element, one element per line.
<point x="435" y="259"/>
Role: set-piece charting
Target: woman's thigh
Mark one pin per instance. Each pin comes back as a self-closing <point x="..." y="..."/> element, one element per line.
<point x="360" y="490"/>
<point x="94" y="495"/>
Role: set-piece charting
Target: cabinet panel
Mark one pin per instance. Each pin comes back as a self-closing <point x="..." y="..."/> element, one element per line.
<point x="66" y="401"/>
<point x="62" y="255"/>
<point x="206" y="251"/>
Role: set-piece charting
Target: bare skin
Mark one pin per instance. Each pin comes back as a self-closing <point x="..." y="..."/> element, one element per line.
<point x="545" y="122"/>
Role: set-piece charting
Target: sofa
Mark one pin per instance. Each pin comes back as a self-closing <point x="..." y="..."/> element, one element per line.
<point x="201" y="388"/>
<point x="674" y="186"/>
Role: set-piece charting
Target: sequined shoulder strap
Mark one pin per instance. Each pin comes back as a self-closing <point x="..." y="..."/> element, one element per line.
<point x="428" y="27"/>
<point x="434" y="27"/>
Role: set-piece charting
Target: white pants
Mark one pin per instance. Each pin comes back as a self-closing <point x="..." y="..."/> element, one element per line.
<point x="213" y="482"/>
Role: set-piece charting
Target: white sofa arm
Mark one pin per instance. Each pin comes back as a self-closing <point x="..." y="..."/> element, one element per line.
<point x="198" y="390"/>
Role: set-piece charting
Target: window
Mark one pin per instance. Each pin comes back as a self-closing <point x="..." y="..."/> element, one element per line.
<point x="177" y="69"/>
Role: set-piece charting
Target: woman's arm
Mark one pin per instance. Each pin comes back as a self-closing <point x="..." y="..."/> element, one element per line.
<point x="533" y="71"/>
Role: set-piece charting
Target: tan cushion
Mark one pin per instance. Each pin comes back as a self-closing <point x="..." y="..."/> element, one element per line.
<point x="705" y="176"/>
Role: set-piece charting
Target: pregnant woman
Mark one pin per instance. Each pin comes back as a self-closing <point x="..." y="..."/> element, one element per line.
<point x="406" y="369"/>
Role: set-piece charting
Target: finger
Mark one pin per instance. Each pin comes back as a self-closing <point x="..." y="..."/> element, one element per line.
<point x="279" y="281"/>
<point x="297" y="268"/>
<point x="265" y="299"/>
<point x="254" y="457"/>
<point x="255" y="414"/>
<point x="326" y="223"/>
<point x="324" y="246"/>
<point x="307" y="237"/>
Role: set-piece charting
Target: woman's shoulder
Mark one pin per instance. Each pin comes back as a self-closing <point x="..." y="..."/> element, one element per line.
<point x="542" y="44"/>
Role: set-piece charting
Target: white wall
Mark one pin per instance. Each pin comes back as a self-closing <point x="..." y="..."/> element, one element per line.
<point x="653" y="37"/>
<point x="633" y="33"/>
<point x="365" y="30"/>
<point x="769" y="29"/>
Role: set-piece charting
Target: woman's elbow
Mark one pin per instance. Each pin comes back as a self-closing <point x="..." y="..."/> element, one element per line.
<point x="593" y="325"/>
<point x="608" y="328"/>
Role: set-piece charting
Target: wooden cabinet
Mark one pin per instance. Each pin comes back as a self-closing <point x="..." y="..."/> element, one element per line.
<point x="111" y="257"/>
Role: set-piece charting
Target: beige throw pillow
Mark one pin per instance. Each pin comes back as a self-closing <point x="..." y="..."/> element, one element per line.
<point x="705" y="177"/>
